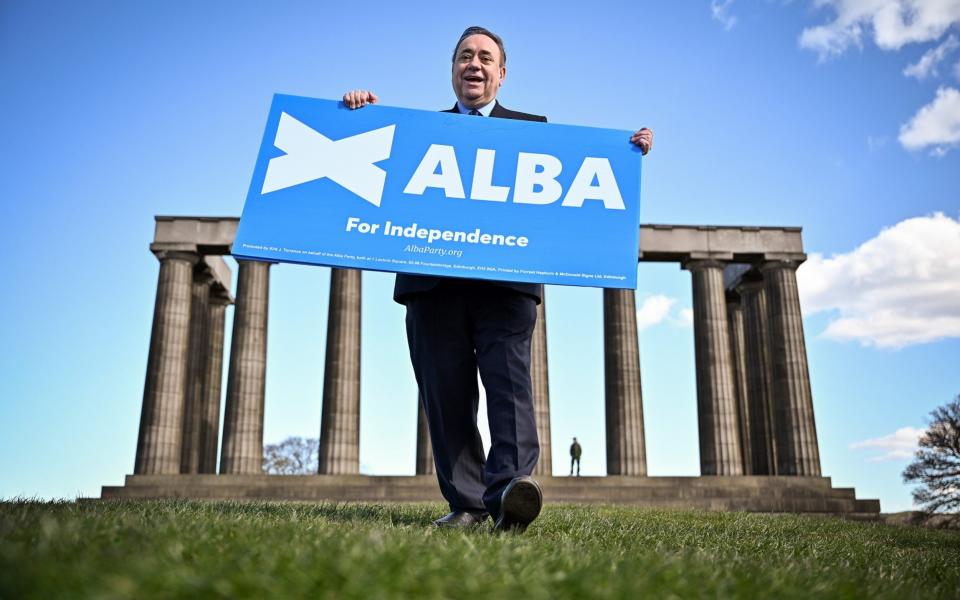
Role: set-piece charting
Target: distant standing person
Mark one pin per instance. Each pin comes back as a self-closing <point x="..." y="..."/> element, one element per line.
<point x="575" y="452"/>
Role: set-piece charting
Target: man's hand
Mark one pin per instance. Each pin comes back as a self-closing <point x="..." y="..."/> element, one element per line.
<point x="358" y="98"/>
<point x="642" y="138"/>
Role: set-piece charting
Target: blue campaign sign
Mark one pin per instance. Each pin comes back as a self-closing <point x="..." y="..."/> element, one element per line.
<point x="412" y="191"/>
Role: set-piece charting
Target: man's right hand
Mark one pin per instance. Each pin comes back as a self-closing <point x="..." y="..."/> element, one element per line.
<point x="358" y="98"/>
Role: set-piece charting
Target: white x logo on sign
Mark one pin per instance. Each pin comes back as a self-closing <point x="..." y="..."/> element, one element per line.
<point x="311" y="155"/>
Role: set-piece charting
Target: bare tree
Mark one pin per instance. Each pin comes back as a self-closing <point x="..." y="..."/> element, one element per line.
<point x="292" y="456"/>
<point x="936" y="464"/>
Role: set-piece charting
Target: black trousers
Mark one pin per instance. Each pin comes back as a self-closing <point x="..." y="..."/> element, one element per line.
<point x="453" y="331"/>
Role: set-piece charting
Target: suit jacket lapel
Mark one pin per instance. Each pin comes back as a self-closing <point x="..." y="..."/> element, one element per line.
<point x="499" y="111"/>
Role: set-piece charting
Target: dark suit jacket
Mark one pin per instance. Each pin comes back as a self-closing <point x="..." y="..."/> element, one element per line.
<point x="415" y="284"/>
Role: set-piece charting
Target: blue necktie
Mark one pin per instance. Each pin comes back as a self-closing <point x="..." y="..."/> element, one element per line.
<point x="475" y="112"/>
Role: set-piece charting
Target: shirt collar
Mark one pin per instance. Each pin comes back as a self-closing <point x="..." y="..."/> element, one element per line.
<point x="483" y="110"/>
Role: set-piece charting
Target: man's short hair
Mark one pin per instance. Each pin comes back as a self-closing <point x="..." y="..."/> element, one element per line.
<point x="476" y="30"/>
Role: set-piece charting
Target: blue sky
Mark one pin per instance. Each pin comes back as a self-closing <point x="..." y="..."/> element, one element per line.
<point x="828" y="116"/>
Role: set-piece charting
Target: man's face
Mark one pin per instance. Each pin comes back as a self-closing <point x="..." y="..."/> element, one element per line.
<point x="477" y="71"/>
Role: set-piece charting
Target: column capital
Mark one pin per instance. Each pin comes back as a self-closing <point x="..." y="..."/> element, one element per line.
<point x="696" y="264"/>
<point x="241" y="261"/>
<point x="163" y="254"/>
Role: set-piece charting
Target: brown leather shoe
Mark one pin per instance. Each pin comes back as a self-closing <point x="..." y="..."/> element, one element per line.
<point x="461" y="519"/>
<point x="519" y="505"/>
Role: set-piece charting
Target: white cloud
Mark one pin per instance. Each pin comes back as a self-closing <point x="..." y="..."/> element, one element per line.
<point x="897" y="289"/>
<point x="893" y="24"/>
<point x="653" y="311"/>
<point x="720" y="9"/>
<point x="936" y="124"/>
<point x="659" y="309"/>
<point x="927" y="65"/>
<point x="900" y="445"/>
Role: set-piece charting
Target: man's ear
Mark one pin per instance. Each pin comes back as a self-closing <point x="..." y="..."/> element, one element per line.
<point x="503" y="74"/>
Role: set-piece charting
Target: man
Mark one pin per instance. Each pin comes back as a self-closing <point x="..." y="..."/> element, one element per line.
<point x="575" y="452"/>
<point x="457" y="326"/>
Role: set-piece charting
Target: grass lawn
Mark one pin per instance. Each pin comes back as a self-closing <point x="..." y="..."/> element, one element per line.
<point x="279" y="550"/>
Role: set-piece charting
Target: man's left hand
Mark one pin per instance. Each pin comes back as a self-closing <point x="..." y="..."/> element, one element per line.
<point x="644" y="139"/>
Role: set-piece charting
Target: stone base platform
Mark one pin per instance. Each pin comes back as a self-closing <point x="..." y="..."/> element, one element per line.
<point x="744" y="493"/>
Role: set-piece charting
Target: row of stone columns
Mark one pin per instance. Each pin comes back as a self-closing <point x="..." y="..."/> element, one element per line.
<point x="180" y="419"/>
<point x="753" y="391"/>
<point x="753" y="383"/>
<point x="179" y="423"/>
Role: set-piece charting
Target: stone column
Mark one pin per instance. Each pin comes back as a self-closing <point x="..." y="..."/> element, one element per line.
<point x="716" y="399"/>
<point x="796" y="432"/>
<point x="626" y="448"/>
<point x="763" y="449"/>
<point x="196" y="371"/>
<point x="541" y="389"/>
<point x="340" y="419"/>
<point x="165" y="388"/>
<point x="246" y="379"/>
<point x="425" y="464"/>
<point x="210" y="407"/>
<point x="738" y="357"/>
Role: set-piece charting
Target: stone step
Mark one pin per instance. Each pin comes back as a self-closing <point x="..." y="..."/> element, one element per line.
<point x="780" y="494"/>
<point x="346" y="492"/>
<point x="367" y="494"/>
<point x="744" y="482"/>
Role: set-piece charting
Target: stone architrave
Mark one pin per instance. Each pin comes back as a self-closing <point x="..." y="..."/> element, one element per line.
<point x="539" y="374"/>
<point x="753" y="299"/>
<point x="340" y="416"/>
<point x="716" y="397"/>
<point x="165" y="388"/>
<point x="796" y="434"/>
<point x="190" y="450"/>
<point x="210" y="411"/>
<point x="626" y="448"/>
<point x="738" y="357"/>
<point x="246" y="379"/>
<point x="425" y="464"/>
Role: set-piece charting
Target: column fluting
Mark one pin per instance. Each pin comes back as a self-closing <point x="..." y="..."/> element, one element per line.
<point x="539" y="374"/>
<point x="796" y="434"/>
<point x="210" y="412"/>
<point x="760" y="400"/>
<point x="340" y="418"/>
<point x="738" y="356"/>
<point x="165" y="388"/>
<point x="716" y="397"/>
<point x="626" y="447"/>
<point x="190" y="450"/>
<point x="246" y="379"/>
